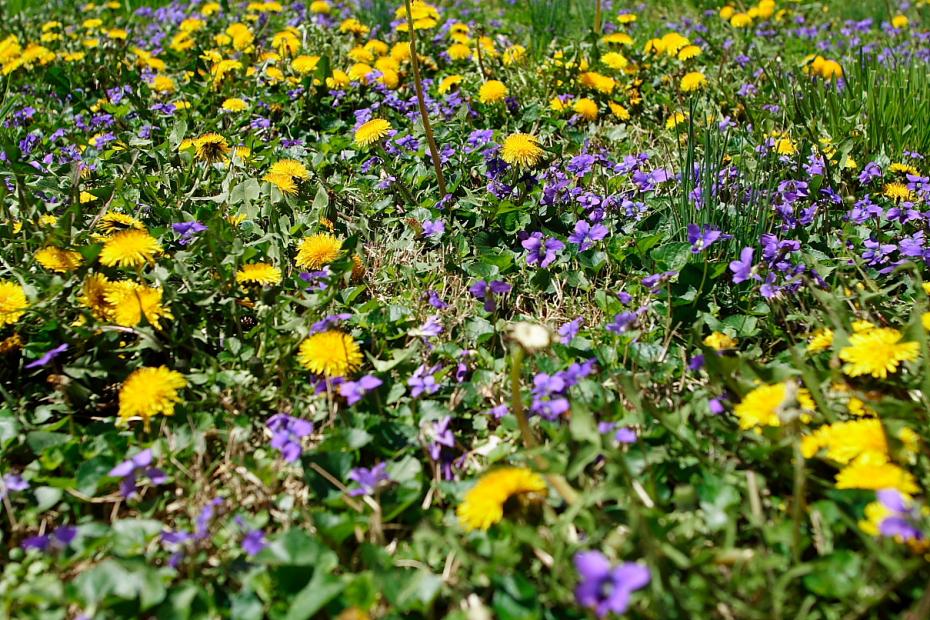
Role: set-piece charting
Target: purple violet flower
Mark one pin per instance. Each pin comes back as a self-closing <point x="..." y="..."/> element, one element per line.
<point x="368" y="479"/>
<point x="134" y="467"/>
<point x="353" y="391"/>
<point x="541" y="251"/>
<point x="47" y="357"/>
<point x="287" y="432"/>
<point x="605" y="588"/>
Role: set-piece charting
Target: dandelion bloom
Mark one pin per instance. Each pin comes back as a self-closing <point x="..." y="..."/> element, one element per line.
<point x="373" y="131"/>
<point x="58" y="260"/>
<point x="318" y="250"/>
<point x="897" y="192"/>
<point x="492" y="91"/>
<point x="876" y="474"/>
<point x="305" y="64"/>
<point x="112" y="222"/>
<point x="877" y="352"/>
<point x="821" y="340"/>
<point x="150" y="391"/>
<point x="258" y="273"/>
<point x="845" y="442"/>
<point x="448" y="83"/>
<point x="130" y="248"/>
<point x="94" y="296"/>
<point x="720" y="341"/>
<point x="675" y="120"/>
<point x="211" y="147"/>
<point x="234" y="104"/>
<point x="693" y="81"/>
<point x="12" y="303"/>
<point x="284" y="175"/>
<point x="761" y="406"/>
<point x="128" y="302"/>
<point x="522" y="149"/>
<point x="331" y="353"/>
<point x="483" y="505"/>
<point x="585" y="108"/>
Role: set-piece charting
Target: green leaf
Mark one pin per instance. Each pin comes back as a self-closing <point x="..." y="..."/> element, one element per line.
<point x="321" y="590"/>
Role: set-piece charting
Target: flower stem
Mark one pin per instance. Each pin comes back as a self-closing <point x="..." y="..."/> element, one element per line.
<point x="558" y="482"/>
<point x="433" y="150"/>
<point x="597" y="17"/>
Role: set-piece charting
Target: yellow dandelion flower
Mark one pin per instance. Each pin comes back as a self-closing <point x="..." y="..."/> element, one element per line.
<point x="258" y="273"/>
<point x="58" y="259"/>
<point x="596" y="81"/>
<point x="720" y="341"/>
<point x="740" y="20"/>
<point x="761" y="406"/>
<point x="129" y="248"/>
<point x="47" y="221"/>
<point x="675" y="120"/>
<point x="688" y="52"/>
<point x="448" y="83"/>
<point x="86" y="197"/>
<point x="318" y="250"/>
<point x="617" y="38"/>
<point x="615" y="60"/>
<point x="897" y="192"/>
<point x="12" y="302"/>
<point x="150" y="391"/>
<point x="877" y="352"/>
<point x="821" y="340"/>
<point x="522" y="149"/>
<point x="876" y="475"/>
<point x="619" y="111"/>
<point x="163" y="84"/>
<point x="585" y="108"/>
<point x="234" y="104"/>
<point x="331" y="353"/>
<point x="211" y="147"/>
<point x="320" y="7"/>
<point x="130" y="301"/>
<point x="846" y="441"/>
<point x="695" y="80"/>
<point x="900" y="168"/>
<point x="459" y="51"/>
<point x="291" y="168"/>
<point x="305" y="64"/>
<point x="283" y="182"/>
<point x="371" y="132"/>
<point x="94" y="296"/>
<point x="358" y="268"/>
<point x="112" y="222"/>
<point x="483" y="505"/>
<point x="492" y="91"/>
<point x="900" y="21"/>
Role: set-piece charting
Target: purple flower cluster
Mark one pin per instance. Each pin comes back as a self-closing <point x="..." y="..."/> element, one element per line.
<point x="368" y="480"/>
<point x="135" y="467"/>
<point x="287" y="432"/>
<point x="605" y="588"/>
<point x="541" y="250"/>
<point x="354" y="391"/>
<point x="488" y="292"/>
<point x="549" y="391"/>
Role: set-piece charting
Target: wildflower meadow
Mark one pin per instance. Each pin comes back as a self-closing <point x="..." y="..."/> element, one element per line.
<point x="465" y="310"/>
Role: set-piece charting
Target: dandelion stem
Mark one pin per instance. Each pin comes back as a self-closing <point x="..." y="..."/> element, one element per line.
<point x="414" y="61"/>
<point x="597" y="17"/>
<point x="559" y="483"/>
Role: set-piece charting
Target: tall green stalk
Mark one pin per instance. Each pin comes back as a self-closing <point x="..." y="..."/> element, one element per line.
<point x="421" y="103"/>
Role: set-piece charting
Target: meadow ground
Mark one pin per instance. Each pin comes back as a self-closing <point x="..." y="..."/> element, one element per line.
<point x="524" y="309"/>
